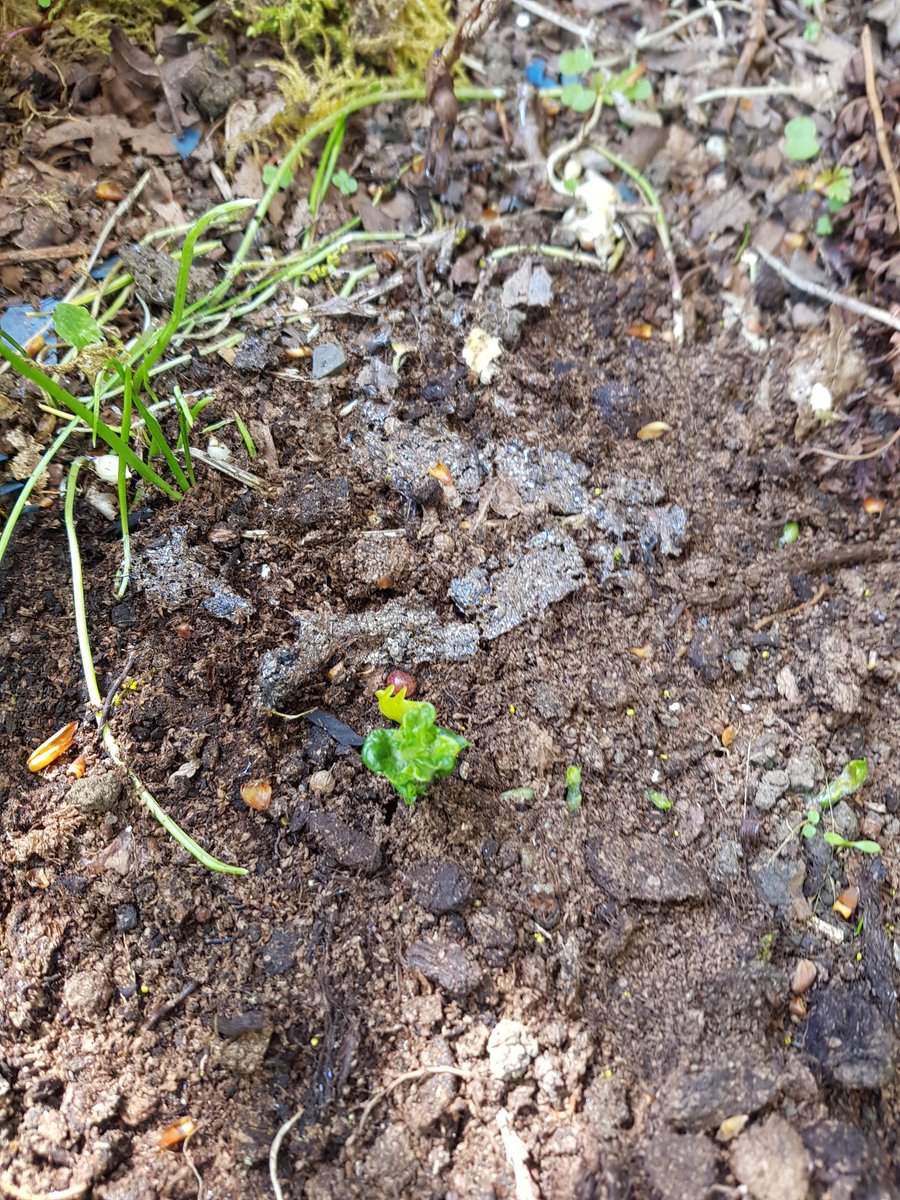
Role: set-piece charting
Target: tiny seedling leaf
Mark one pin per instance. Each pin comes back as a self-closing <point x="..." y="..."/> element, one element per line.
<point x="344" y="182"/>
<point x="578" y="97"/>
<point x="813" y="816"/>
<point x="659" y="799"/>
<point x="789" y="534"/>
<point x="850" y="780"/>
<point x="808" y="830"/>
<point x="800" y="140"/>
<point x="270" y="173"/>
<point x="824" y="227"/>
<point x="575" y="62"/>
<point x="641" y="89"/>
<point x="866" y="847"/>
<point x="75" y="326"/>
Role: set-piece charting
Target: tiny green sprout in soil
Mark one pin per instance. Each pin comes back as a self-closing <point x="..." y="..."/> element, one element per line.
<point x="658" y="799"/>
<point x="789" y="534"/>
<point x="801" y="142"/>
<point x="416" y="752"/>
<point x="864" y="846"/>
<point x="581" y="90"/>
<point x="573" y="788"/>
<point x="850" y="780"/>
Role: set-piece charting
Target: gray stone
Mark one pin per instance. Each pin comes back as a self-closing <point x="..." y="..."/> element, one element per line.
<point x="550" y="569"/>
<point x="440" y="886"/>
<point x="704" y="1099"/>
<point x="327" y="359"/>
<point x="680" y="1166"/>
<point x="510" y="1050"/>
<point x="771" y="788"/>
<point x="851" y="1038"/>
<point x="779" y="882"/>
<point x="605" y="1106"/>
<point x="726" y="868"/>
<point x="642" y="867"/>
<point x="446" y="964"/>
<point x="528" y="286"/>
<point x="770" y="1159"/>
<point x="96" y="793"/>
<point x="739" y="660"/>
<point x="805" y="770"/>
<point x="705" y="653"/>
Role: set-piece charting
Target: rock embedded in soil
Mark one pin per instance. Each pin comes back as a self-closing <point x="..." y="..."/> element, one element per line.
<point x="327" y="359"/>
<point x="705" y="654"/>
<point x="348" y="847"/>
<point x="549" y="569"/>
<point x="771" y="788"/>
<point x="680" y="1166"/>
<point x="87" y="994"/>
<point x="95" y="793"/>
<point x="770" y="1160"/>
<point x="851" y="1038"/>
<point x="779" y="882"/>
<point x="494" y="930"/>
<point x="510" y="1050"/>
<point x="439" y="886"/>
<point x="446" y="964"/>
<point x="642" y="867"/>
<point x="705" y="1098"/>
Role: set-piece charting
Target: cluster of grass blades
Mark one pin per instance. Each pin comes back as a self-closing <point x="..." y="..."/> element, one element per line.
<point x="125" y="374"/>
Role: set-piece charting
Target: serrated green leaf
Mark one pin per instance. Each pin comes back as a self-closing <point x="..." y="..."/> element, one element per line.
<point x="839" y="187"/>
<point x="800" y="140"/>
<point x="575" y="62"/>
<point x="578" y="97"/>
<point x="75" y="326"/>
<point x="415" y="753"/>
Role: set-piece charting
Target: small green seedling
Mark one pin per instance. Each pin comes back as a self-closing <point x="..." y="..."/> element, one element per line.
<point x="842" y="843"/>
<point x="573" y="788"/>
<point x="76" y="327"/>
<point x="581" y="91"/>
<point x="789" y="534"/>
<point x="850" y="780"/>
<point x="800" y="140"/>
<point x="345" y="183"/>
<point x="417" y="752"/>
<point x="658" y="799"/>
<point x="813" y="817"/>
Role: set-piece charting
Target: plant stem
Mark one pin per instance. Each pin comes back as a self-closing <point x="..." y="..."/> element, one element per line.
<point x="31" y="482"/>
<point x="90" y="678"/>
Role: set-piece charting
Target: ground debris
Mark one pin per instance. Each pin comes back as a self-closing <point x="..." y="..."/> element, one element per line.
<point x="548" y="569"/>
<point x="642" y="867"/>
<point x="703" y="1099"/>
<point x="446" y="964"/>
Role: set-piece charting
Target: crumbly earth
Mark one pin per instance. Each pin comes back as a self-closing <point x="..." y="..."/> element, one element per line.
<point x="609" y="984"/>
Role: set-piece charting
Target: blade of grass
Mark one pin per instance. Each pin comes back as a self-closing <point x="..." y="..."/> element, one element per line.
<point x="124" y="571"/>
<point x="171" y="827"/>
<point x="245" y="434"/>
<point x="30" y="371"/>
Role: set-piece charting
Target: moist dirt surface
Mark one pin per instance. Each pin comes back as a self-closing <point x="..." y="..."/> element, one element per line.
<point x="629" y="1000"/>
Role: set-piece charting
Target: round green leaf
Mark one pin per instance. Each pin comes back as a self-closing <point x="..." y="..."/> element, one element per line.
<point x="575" y="62"/>
<point x="578" y="97"/>
<point x="800" y="140"/>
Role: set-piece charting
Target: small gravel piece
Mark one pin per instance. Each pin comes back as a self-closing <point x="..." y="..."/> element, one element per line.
<point x="327" y="359"/>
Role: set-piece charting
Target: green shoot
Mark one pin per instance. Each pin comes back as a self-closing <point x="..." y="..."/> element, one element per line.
<point x="345" y="183"/>
<point x="842" y="843"/>
<point x="245" y="434"/>
<point x="76" y="327"/>
<point x="90" y="678"/>
<point x="573" y="788"/>
<point x="811" y="823"/>
<point x="850" y="780"/>
<point x="658" y="799"/>
<point x="414" y="754"/>
<point x="789" y="534"/>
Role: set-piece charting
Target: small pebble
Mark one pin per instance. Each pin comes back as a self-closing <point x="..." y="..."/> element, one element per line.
<point x="126" y="918"/>
<point x="327" y="359"/>
<point x="321" y="783"/>
<point x="804" y="976"/>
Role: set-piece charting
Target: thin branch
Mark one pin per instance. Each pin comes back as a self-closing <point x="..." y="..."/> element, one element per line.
<point x="748" y="53"/>
<point x="878" y="116"/>
<point x="828" y="294"/>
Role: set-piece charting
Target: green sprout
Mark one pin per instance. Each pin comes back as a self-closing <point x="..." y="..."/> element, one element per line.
<point x="801" y="142"/>
<point x="842" y="843"/>
<point x="811" y="823"/>
<point x="580" y="91"/>
<point x="658" y="799"/>
<point x="789" y="534"/>
<point x="573" y="788"/>
<point x="850" y="780"/>
<point x="414" y="754"/>
<point x="344" y="182"/>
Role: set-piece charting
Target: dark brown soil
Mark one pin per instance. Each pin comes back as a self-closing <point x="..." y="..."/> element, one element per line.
<point x="643" y="957"/>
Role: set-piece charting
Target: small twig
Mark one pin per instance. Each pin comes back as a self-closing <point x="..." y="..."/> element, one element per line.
<point x="113" y="690"/>
<point x="828" y="294"/>
<point x="170" y="1005"/>
<point x="643" y="40"/>
<point x="739" y="93"/>
<point x="878" y="116"/>
<point x="792" y="612"/>
<point x="748" y="52"/>
<point x="406" y="1077"/>
<point x="279" y="1137"/>
<point x="517" y="1156"/>
<point x="43" y="253"/>
<point x="189" y="1159"/>
<point x="548" y="251"/>
<point x="583" y="32"/>
<point x="857" y="457"/>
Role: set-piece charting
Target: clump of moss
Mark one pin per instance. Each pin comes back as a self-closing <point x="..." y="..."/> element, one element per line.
<point x="82" y="27"/>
